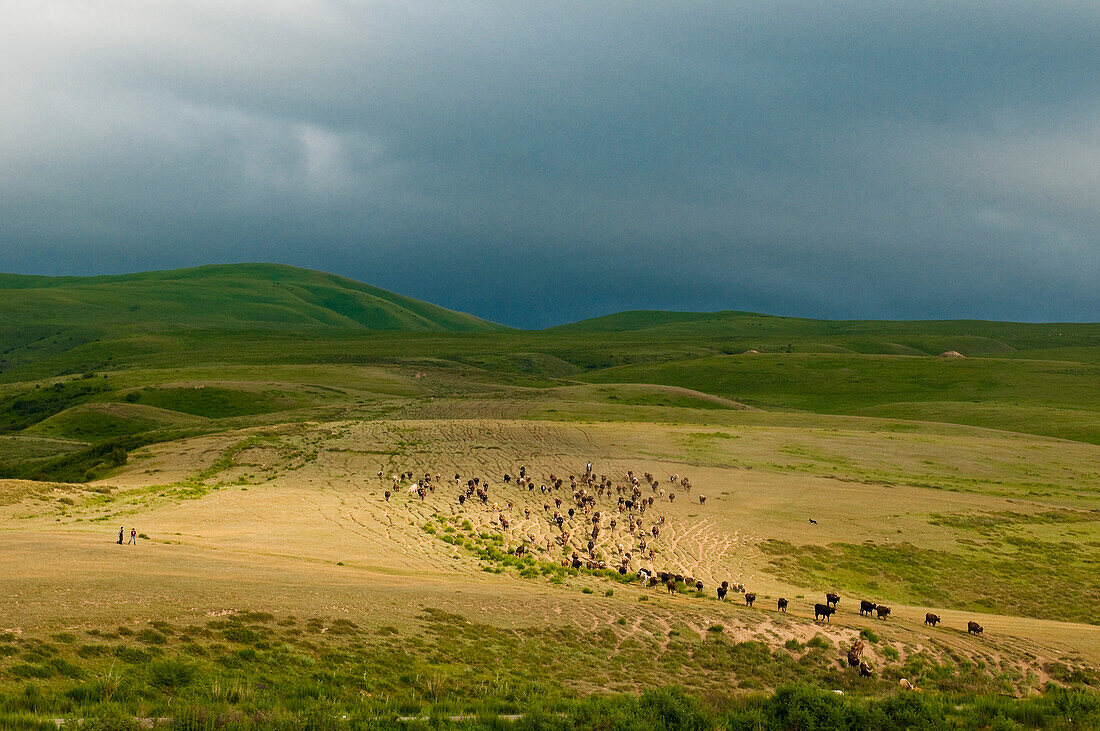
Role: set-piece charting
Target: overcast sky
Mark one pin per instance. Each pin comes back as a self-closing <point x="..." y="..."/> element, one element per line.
<point x="535" y="163"/>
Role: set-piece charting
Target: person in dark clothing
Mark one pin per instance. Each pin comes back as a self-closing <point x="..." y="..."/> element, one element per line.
<point x="120" y="535"/>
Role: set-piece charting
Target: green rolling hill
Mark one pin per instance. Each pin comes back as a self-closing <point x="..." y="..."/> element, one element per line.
<point x="91" y="367"/>
<point x="238" y="296"/>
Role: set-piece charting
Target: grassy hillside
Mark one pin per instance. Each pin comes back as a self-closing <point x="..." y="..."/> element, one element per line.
<point x="108" y="363"/>
<point x="249" y="296"/>
<point x="1042" y="397"/>
<point x="740" y="331"/>
<point x="246" y="421"/>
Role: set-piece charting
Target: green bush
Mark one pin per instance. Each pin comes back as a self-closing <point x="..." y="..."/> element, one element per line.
<point x="171" y="674"/>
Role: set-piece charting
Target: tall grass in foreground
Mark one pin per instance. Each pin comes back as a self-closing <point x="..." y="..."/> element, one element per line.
<point x="792" y="707"/>
<point x="254" y="670"/>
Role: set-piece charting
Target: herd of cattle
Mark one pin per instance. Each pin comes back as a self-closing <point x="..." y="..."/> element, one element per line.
<point x="821" y="611"/>
<point x="573" y="513"/>
<point x="595" y="521"/>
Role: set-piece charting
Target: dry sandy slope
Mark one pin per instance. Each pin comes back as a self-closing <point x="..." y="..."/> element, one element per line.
<point x="313" y="500"/>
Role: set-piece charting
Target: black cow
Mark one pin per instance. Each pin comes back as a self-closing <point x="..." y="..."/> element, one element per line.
<point x="782" y="605"/>
<point x="932" y="619"/>
<point x="974" y="628"/>
<point x="750" y="598"/>
<point x="866" y="607"/>
<point x="823" y="611"/>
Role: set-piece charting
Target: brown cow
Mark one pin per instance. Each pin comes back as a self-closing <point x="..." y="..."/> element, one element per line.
<point x="671" y="585"/>
<point x="882" y="611"/>
<point x="932" y="619"/>
<point x="865" y="670"/>
<point x="702" y="499"/>
<point x="974" y="628"/>
<point x="750" y="598"/>
<point x="832" y="599"/>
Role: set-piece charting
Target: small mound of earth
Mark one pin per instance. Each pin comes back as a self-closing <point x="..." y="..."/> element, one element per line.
<point x="951" y="354"/>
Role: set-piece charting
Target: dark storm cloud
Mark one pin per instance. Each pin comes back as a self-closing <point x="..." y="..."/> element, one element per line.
<point x="534" y="164"/>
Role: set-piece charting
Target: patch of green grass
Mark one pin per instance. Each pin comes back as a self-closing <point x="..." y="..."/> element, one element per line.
<point x="864" y="385"/>
<point x="210" y="401"/>
<point x="664" y="399"/>
<point x="1014" y="575"/>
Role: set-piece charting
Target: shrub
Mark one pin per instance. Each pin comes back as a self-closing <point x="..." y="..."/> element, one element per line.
<point x="171" y="674"/>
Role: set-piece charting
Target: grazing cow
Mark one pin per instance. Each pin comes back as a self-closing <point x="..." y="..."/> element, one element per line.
<point x="750" y="598"/>
<point x="387" y="496"/>
<point x="973" y="628"/>
<point x="702" y="499"/>
<point x="865" y="670"/>
<point x="866" y="607"/>
<point x="671" y="586"/>
<point x="722" y="593"/>
<point x="882" y="612"/>
<point x="698" y="586"/>
<point x="932" y="619"/>
<point x="857" y="647"/>
<point x="782" y="605"/>
<point x="823" y="611"/>
<point x="832" y="599"/>
<point x="853" y="659"/>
